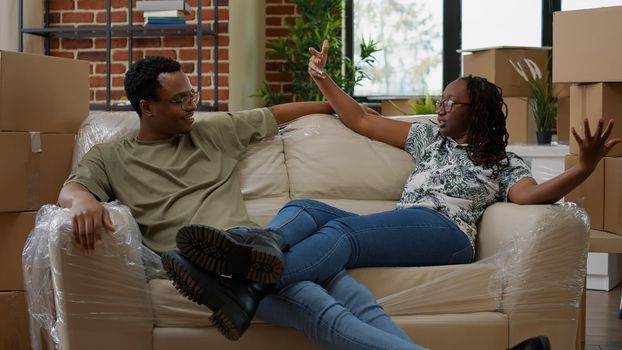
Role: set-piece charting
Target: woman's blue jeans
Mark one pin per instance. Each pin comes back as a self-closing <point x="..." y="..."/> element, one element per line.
<point x="319" y="298"/>
<point x="325" y="240"/>
<point x="340" y="314"/>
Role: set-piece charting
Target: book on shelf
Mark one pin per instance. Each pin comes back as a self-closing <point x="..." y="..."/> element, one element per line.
<point x="163" y="13"/>
<point x="165" y="21"/>
<point x="163" y="5"/>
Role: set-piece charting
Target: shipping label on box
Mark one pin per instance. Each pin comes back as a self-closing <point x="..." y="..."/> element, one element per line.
<point x="590" y="195"/>
<point x="498" y="66"/>
<point x="613" y="195"/>
<point x="14" y="229"/>
<point x="34" y="170"/>
<point x="587" y="46"/>
<point x="14" y="320"/>
<point x="520" y="122"/>
<point x="596" y="101"/>
<point x="42" y="93"/>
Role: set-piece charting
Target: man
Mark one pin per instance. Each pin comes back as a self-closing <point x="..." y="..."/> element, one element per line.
<point x="178" y="173"/>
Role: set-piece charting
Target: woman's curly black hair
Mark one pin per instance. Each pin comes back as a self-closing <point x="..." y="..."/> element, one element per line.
<point x="141" y="80"/>
<point x="488" y="136"/>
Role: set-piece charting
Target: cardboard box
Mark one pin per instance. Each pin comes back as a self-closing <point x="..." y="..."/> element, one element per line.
<point x="586" y="45"/>
<point x="561" y="89"/>
<point x="398" y="106"/>
<point x="34" y="170"/>
<point x="590" y="195"/>
<point x="494" y="65"/>
<point x="563" y="120"/>
<point x="613" y="195"/>
<point x="14" y="319"/>
<point x="14" y="229"/>
<point x="596" y="101"/>
<point x="520" y="123"/>
<point x="42" y="93"/>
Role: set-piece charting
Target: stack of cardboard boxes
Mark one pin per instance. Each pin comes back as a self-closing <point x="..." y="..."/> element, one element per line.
<point x="501" y="66"/>
<point x="43" y="101"/>
<point x="586" y="53"/>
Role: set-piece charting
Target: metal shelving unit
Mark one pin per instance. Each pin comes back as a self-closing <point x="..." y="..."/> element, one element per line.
<point x="130" y="31"/>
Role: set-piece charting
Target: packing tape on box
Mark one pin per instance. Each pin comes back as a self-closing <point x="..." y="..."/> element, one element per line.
<point x="34" y="175"/>
<point x="35" y="142"/>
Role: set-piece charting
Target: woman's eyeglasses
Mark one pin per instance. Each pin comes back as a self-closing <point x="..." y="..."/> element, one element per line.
<point x="447" y="105"/>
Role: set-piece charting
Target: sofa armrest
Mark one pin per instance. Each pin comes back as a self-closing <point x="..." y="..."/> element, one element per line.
<point x="541" y="253"/>
<point x="100" y="301"/>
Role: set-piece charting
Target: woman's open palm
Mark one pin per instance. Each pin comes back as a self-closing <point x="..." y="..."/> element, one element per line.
<point x="593" y="147"/>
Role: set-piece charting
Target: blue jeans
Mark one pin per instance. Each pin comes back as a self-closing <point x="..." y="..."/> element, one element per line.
<point x="325" y="240"/>
<point x="341" y="314"/>
<point x="323" y="301"/>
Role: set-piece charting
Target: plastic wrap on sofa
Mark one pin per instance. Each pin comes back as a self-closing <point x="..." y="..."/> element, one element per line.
<point x="50" y="254"/>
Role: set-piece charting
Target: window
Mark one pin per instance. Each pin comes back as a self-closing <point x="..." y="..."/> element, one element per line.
<point x="410" y="34"/>
<point x="488" y="23"/>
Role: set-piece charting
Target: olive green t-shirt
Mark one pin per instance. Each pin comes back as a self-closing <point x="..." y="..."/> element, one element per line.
<point x="187" y="179"/>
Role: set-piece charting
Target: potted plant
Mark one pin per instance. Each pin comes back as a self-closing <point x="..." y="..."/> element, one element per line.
<point x="543" y="105"/>
<point x="318" y="20"/>
<point x="542" y="101"/>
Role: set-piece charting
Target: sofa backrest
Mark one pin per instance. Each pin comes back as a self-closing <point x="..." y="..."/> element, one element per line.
<point x="315" y="156"/>
<point x="318" y="157"/>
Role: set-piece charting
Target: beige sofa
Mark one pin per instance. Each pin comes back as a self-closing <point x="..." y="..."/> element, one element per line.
<point x="527" y="279"/>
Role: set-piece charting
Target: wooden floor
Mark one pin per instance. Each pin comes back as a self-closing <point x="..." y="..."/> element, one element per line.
<point x="604" y="328"/>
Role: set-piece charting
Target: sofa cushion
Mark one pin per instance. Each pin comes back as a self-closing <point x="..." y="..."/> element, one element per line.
<point x="361" y="168"/>
<point x="262" y="170"/>
<point x="401" y="291"/>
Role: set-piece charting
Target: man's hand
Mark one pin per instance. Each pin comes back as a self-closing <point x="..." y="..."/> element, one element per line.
<point x="317" y="62"/>
<point x="87" y="218"/>
<point x="593" y="147"/>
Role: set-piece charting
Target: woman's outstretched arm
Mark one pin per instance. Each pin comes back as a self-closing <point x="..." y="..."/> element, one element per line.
<point x="592" y="148"/>
<point x="353" y="115"/>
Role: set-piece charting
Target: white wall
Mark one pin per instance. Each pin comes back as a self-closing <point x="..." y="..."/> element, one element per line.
<point x="246" y="52"/>
<point x="33" y="18"/>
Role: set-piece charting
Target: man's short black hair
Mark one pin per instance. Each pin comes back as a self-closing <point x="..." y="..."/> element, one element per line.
<point x="141" y="80"/>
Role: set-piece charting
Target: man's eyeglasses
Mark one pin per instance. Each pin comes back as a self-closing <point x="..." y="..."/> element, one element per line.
<point x="447" y="105"/>
<point x="185" y="100"/>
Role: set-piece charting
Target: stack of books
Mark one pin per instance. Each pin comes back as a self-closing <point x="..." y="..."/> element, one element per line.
<point x="163" y="12"/>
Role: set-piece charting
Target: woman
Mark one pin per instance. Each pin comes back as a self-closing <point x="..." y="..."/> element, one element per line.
<point x="462" y="168"/>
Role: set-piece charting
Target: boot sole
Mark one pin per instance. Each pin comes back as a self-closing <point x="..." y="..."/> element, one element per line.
<point x="215" y="251"/>
<point x="189" y="288"/>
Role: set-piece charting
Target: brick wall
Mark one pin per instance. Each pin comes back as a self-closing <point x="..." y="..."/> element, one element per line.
<point x="181" y="48"/>
<point x="278" y="14"/>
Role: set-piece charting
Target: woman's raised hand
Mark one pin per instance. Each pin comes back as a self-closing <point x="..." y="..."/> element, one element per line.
<point x="318" y="61"/>
<point x="593" y="147"/>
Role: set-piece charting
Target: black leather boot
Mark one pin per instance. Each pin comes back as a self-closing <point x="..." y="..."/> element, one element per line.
<point x="256" y="254"/>
<point x="232" y="300"/>
<point x="535" y="343"/>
